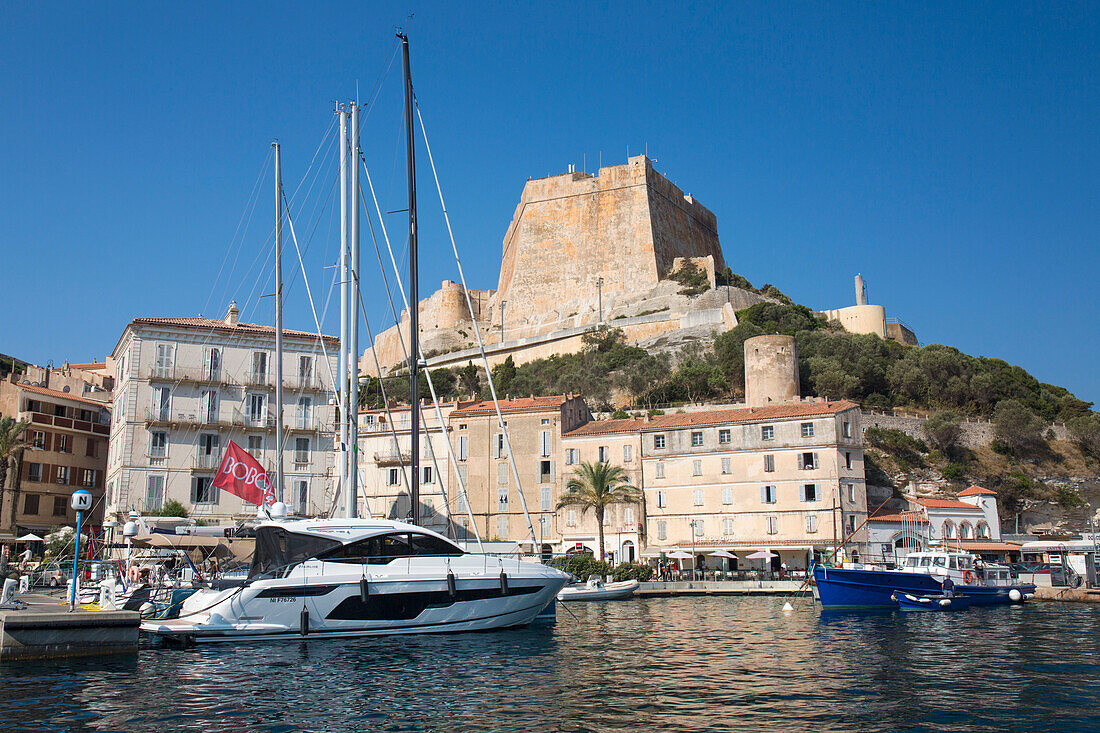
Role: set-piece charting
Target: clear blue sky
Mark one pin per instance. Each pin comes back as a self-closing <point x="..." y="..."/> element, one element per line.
<point x="949" y="152"/>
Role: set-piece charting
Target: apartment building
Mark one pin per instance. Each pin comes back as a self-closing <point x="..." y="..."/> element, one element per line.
<point x="384" y="465"/>
<point x="68" y="451"/>
<point x="785" y="477"/>
<point x="535" y="427"/>
<point x="186" y="387"/>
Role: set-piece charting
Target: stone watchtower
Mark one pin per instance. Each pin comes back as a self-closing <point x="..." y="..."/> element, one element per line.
<point x="771" y="371"/>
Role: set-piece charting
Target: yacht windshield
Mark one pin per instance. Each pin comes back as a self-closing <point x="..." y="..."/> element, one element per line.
<point x="277" y="550"/>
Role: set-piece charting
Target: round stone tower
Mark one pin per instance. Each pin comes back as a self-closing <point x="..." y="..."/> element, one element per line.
<point x="771" y="371"/>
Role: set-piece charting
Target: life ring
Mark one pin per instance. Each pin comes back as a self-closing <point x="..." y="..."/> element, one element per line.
<point x="968" y="577"/>
<point x="133" y="574"/>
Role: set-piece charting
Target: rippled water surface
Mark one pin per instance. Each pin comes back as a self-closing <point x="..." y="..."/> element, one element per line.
<point x="689" y="664"/>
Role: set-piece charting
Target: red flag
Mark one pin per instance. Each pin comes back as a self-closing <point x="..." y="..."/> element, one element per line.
<point x="242" y="475"/>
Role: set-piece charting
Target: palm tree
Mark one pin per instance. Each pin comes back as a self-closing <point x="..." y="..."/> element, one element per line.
<point x="12" y="443"/>
<point x="596" y="486"/>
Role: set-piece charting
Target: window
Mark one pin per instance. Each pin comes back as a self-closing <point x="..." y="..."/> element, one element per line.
<point x="545" y="499"/>
<point x="301" y="450"/>
<point x="60" y="506"/>
<point x="203" y="491"/>
<point x="605" y="454"/>
<point x="301" y="496"/>
<point x="658" y="442"/>
<point x="851" y="524"/>
<point x="628" y="515"/>
<point x="426" y="475"/>
<point x="463" y="506"/>
<point x="544" y="421"/>
<point x="807" y="461"/>
<point x="696" y="438"/>
<point x="767" y="494"/>
<point x="90" y="477"/>
<point x="725" y="465"/>
<point x="662" y="501"/>
<point x="769" y="463"/>
<point x="571" y="518"/>
<point x="767" y="432"/>
<point x="628" y="453"/>
<point x="696" y="468"/>
<point x="378" y="550"/>
<point x="38" y="440"/>
<point x="727" y="526"/>
<point x="852" y="493"/>
<point x="809" y="492"/>
<point x="211" y="364"/>
<point x="807" y="430"/>
<point x="727" y="494"/>
<point x="501" y="450"/>
<point x="724" y="436"/>
<point x="164" y="362"/>
<point x="304" y="415"/>
<point x="462" y="474"/>
<point x="847" y="459"/>
<point x="811" y="523"/>
<point x="154" y="492"/>
<point x="502" y="473"/>
<point x="546" y="471"/>
<point x="700" y="528"/>
<point x="544" y="442"/>
<point x="846" y="429"/>
<point x="662" y="530"/>
<point x="572" y="456"/>
<point x="773" y="525"/>
<point x="463" y="447"/>
<point x="502" y="527"/>
<point x="63" y="475"/>
<point x="91" y="448"/>
<point x="462" y="426"/>
<point x="34" y="472"/>
<point x="660" y="469"/>
<point x="59" y="410"/>
<point x="982" y="531"/>
<point x="257" y="408"/>
<point x="209" y="447"/>
<point x="30" y="503"/>
<point x="393" y="477"/>
<point x="964" y="531"/>
<point x="209" y="405"/>
<point x="948" y="529"/>
<point x="697" y="495"/>
<point x="502" y="500"/>
<point x="63" y="443"/>
<point x="33" y="406"/>
<point x="305" y="370"/>
<point x="255" y="444"/>
<point x="259" y="366"/>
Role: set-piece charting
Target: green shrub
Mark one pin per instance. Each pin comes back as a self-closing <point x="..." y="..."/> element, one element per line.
<point x="943" y="430"/>
<point x="954" y="472"/>
<point x="172" y="508"/>
<point x="630" y="571"/>
<point x="582" y="565"/>
<point x="693" y="279"/>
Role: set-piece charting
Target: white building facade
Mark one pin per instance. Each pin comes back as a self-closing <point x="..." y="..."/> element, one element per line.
<point x="186" y="387"/>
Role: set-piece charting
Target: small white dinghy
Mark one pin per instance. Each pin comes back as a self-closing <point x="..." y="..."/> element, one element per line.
<point x="597" y="590"/>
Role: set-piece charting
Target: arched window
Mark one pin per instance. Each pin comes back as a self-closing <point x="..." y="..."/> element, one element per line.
<point x="964" y="531"/>
<point x="982" y="531"/>
<point x="948" y="529"/>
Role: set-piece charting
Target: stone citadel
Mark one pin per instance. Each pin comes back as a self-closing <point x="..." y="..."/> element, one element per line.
<point x="585" y="249"/>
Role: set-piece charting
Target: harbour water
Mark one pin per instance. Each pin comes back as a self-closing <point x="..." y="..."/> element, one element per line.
<point x="685" y="664"/>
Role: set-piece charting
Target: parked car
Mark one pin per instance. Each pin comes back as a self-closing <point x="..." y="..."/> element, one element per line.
<point x="49" y="574"/>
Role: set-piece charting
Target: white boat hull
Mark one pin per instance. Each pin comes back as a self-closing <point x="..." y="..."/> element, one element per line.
<point x="605" y="592"/>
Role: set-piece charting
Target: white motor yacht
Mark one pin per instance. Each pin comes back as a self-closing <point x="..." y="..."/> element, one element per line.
<point x="362" y="577"/>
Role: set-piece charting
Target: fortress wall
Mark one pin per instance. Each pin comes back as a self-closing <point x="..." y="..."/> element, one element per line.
<point x="682" y="227"/>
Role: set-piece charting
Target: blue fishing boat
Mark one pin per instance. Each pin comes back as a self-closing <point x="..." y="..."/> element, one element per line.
<point x="922" y="574"/>
<point x="910" y="602"/>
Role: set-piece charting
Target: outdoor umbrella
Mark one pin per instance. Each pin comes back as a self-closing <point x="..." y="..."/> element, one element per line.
<point x="761" y="555"/>
<point x="722" y="553"/>
<point x="679" y="555"/>
<point x="30" y="538"/>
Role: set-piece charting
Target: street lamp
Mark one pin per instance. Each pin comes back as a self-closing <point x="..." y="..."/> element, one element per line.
<point x="542" y="529"/>
<point x="599" y="292"/>
<point x="693" y="524"/>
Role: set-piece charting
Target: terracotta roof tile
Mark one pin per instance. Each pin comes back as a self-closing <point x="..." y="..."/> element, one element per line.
<point x="90" y="365"/>
<point x="519" y="404"/>
<point x="713" y="417"/>
<point x="56" y="393"/>
<point x="899" y="517"/>
<point x="943" y="503"/>
<point x="976" y="490"/>
<point x="210" y="324"/>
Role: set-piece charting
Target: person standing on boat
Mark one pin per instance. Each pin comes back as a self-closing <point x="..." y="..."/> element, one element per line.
<point x="948" y="588"/>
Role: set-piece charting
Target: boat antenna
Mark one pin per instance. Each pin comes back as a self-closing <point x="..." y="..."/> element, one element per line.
<point x="414" y="290"/>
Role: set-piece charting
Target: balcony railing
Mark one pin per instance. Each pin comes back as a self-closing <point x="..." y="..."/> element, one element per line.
<point x="248" y="420"/>
<point x="205" y="461"/>
<point x="392" y="458"/>
<point x="158" y="416"/>
<point x="308" y="383"/>
<point x="259" y="379"/>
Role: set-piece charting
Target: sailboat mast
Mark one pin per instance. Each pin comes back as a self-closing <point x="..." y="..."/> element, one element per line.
<point x="342" y="367"/>
<point x="353" y="349"/>
<point x="278" y="320"/>
<point x="414" y="291"/>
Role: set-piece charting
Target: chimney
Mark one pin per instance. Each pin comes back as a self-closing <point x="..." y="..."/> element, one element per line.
<point x="232" y="316"/>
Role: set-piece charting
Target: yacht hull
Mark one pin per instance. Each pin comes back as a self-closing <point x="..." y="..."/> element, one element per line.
<point x="848" y="588"/>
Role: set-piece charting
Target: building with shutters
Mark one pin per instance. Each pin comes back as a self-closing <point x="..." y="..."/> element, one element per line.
<point x="186" y="387"/>
<point x="68" y="451"/>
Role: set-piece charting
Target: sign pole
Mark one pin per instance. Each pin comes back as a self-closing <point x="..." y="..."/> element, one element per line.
<point x="81" y="501"/>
